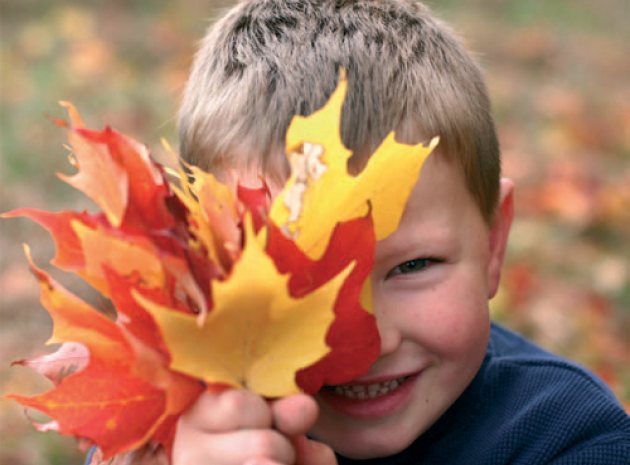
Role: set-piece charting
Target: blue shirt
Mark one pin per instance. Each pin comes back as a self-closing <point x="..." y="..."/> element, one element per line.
<point x="524" y="407"/>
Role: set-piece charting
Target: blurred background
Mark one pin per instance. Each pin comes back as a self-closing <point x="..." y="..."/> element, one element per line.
<point x="559" y="77"/>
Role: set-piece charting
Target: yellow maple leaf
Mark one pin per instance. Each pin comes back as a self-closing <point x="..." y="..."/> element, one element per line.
<point x="257" y="336"/>
<point x="321" y="193"/>
<point x="213" y="215"/>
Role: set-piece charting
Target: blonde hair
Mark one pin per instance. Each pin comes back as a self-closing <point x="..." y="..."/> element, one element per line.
<point x="267" y="60"/>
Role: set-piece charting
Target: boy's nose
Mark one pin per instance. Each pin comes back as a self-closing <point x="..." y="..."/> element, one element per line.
<point x="387" y="330"/>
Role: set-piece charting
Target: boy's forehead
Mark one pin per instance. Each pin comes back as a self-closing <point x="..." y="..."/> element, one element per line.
<point x="440" y="200"/>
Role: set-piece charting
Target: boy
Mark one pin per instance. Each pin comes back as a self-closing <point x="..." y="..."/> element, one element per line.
<point x="449" y="387"/>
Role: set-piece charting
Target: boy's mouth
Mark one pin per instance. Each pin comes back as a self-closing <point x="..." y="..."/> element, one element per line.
<point x="370" y="399"/>
<point x="366" y="391"/>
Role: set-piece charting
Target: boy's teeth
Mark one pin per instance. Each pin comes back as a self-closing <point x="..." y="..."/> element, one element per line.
<point x="369" y="391"/>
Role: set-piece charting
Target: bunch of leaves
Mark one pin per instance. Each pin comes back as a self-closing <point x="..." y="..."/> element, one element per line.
<point x="213" y="287"/>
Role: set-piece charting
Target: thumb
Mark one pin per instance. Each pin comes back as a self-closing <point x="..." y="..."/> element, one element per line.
<point x="310" y="452"/>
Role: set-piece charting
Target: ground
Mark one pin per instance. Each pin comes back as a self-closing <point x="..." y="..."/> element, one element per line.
<point x="557" y="73"/>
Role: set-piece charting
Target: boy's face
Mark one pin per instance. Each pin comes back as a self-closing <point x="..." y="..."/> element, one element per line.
<point x="431" y="283"/>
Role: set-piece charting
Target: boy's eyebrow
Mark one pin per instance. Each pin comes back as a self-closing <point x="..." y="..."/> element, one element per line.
<point x="418" y="242"/>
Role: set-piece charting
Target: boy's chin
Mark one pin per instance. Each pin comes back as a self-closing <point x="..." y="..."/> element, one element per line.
<point x="359" y="446"/>
<point x="387" y="424"/>
<point x="371" y="427"/>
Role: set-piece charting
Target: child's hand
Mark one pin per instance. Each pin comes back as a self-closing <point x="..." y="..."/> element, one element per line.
<point x="239" y="427"/>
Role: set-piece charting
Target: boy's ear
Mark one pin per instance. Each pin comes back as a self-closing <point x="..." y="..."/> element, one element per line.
<point x="499" y="232"/>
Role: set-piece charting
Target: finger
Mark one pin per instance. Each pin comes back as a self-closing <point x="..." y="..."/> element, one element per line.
<point x="228" y="410"/>
<point x="311" y="452"/>
<point x="232" y="448"/>
<point x="294" y="415"/>
<point x="262" y="461"/>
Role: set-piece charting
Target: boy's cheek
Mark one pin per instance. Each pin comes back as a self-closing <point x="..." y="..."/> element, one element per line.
<point x="459" y="333"/>
<point x="459" y="321"/>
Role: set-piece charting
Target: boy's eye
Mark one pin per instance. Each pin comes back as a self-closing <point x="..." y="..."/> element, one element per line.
<point x="412" y="266"/>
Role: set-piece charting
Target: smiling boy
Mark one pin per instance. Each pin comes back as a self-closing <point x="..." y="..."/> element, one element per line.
<point x="448" y="387"/>
<point x="432" y="279"/>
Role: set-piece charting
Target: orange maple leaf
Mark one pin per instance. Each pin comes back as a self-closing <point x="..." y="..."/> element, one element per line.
<point x="118" y="415"/>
